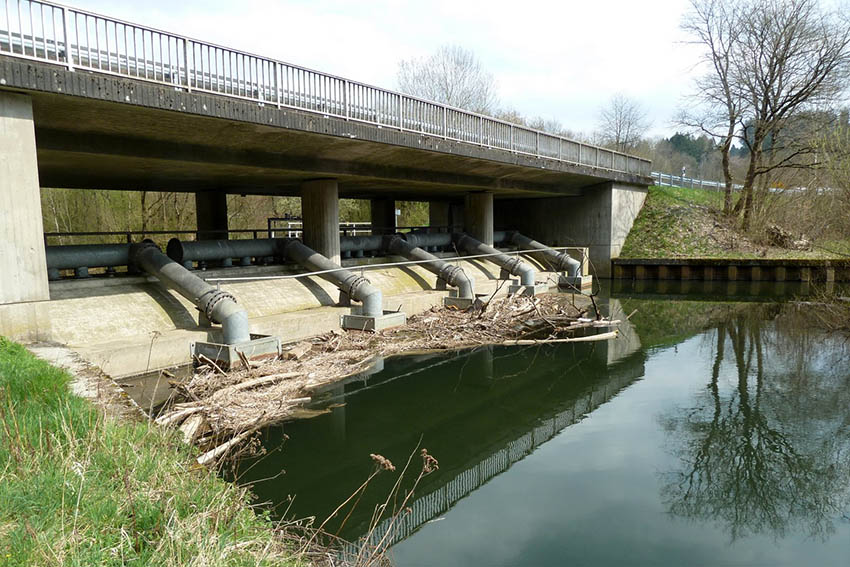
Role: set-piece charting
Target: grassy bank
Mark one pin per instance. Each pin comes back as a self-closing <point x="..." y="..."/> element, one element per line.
<point x="80" y="488"/>
<point x="687" y="223"/>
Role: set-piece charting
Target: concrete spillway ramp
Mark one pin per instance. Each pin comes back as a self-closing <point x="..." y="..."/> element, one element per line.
<point x="131" y="324"/>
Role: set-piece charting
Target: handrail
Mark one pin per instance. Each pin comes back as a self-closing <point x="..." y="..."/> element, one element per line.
<point x="364" y="267"/>
<point x="79" y="39"/>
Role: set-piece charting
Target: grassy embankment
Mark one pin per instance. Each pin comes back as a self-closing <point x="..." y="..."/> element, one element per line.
<point x="80" y="488"/>
<point x="687" y="223"/>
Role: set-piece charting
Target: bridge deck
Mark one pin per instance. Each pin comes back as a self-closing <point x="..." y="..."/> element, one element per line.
<point x="117" y="105"/>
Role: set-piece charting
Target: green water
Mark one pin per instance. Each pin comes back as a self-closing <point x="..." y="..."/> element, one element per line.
<point x="711" y="433"/>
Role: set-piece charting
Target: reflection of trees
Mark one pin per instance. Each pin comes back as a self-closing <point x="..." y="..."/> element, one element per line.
<point x="748" y="462"/>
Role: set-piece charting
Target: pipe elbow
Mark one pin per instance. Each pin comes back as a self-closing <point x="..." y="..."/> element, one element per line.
<point x="464" y="286"/>
<point x="526" y="274"/>
<point x="569" y="264"/>
<point x="235" y="327"/>
<point x="372" y="300"/>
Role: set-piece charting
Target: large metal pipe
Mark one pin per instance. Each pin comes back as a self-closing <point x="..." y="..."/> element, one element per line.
<point x="513" y="265"/>
<point x="559" y="261"/>
<point x="87" y="255"/>
<point x="218" y="306"/>
<point x="355" y="287"/>
<point x="429" y="240"/>
<point x="452" y="275"/>
<point x="220" y="250"/>
<point x="370" y="243"/>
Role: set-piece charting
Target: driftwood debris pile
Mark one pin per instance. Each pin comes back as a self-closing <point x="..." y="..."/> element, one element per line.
<point x="220" y="411"/>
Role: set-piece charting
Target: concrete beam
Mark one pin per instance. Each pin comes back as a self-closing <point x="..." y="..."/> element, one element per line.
<point x="211" y="215"/>
<point x="320" y="215"/>
<point x="478" y="216"/>
<point x="383" y="216"/>
<point x="23" y="267"/>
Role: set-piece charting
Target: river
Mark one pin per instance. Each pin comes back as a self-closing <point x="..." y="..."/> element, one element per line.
<point x="715" y="431"/>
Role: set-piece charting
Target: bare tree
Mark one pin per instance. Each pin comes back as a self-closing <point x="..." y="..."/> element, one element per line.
<point x="716" y="25"/>
<point x="453" y="75"/>
<point x="776" y="64"/>
<point x="623" y="122"/>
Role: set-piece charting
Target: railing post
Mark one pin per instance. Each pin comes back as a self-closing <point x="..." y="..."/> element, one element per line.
<point x="445" y="122"/>
<point x="512" y="137"/>
<point x="345" y="97"/>
<point x="560" y="144"/>
<point x="185" y="63"/>
<point x="481" y="130"/>
<point x="68" y="57"/>
<point x="538" y="144"/>
<point x="276" y="71"/>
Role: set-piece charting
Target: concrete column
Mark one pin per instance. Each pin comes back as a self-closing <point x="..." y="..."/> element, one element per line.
<point x="438" y="213"/>
<point x="478" y="216"/>
<point x="320" y="214"/>
<point x="23" y="267"/>
<point x="211" y="215"/>
<point x="383" y="216"/>
<point x="456" y="217"/>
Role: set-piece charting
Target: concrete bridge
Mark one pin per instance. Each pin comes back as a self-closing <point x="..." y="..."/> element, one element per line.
<point x="91" y="102"/>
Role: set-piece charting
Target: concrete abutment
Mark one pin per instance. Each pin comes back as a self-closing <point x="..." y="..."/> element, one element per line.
<point x="600" y="219"/>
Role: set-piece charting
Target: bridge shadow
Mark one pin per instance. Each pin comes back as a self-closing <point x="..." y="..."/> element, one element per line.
<point x="415" y="276"/>
<point x="322" y="296"/>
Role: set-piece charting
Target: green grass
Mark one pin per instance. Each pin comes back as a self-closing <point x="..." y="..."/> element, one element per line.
<point x="686" y="223"/>
<point x="80" y="488"/>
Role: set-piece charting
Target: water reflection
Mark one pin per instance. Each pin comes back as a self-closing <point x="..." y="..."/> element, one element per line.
<point x="765" y="446"/>
<point x="479" y="411"/>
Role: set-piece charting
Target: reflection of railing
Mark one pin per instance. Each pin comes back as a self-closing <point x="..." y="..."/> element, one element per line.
<point x="74" y="38"/>
<point x="443" y="498"/>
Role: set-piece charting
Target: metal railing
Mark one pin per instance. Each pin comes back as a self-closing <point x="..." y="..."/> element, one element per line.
<point x="77" y="39"/>
<point x="669" y="180"/>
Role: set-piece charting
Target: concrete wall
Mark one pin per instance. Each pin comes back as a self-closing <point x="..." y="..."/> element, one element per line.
<point x="600" y="219"/>
<point x="23" y="268"/>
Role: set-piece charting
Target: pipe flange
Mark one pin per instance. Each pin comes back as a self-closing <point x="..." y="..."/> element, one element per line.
<point x="450" y="273"/>
<point x="351" y="285"/>
<point x="217" y="297"/>
<point x="511" y="264"/>
<point x="137" y="248"/>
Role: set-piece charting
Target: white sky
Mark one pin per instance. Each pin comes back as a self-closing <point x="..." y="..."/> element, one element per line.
<point x="556" y="59"/>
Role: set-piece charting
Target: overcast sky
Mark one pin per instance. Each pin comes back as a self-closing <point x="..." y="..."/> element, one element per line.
<point x="557" y="59"/>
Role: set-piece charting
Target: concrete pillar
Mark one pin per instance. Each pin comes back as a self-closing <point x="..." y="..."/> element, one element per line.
<point x="23" y="267"/>
<point x="211" y="215"/>
<point x="320" y="214"/>
<point x="383" y="216"/>
<point x="456" y="217"/>
<point x="478" y="216"/>
<point x="439" y="213"/>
